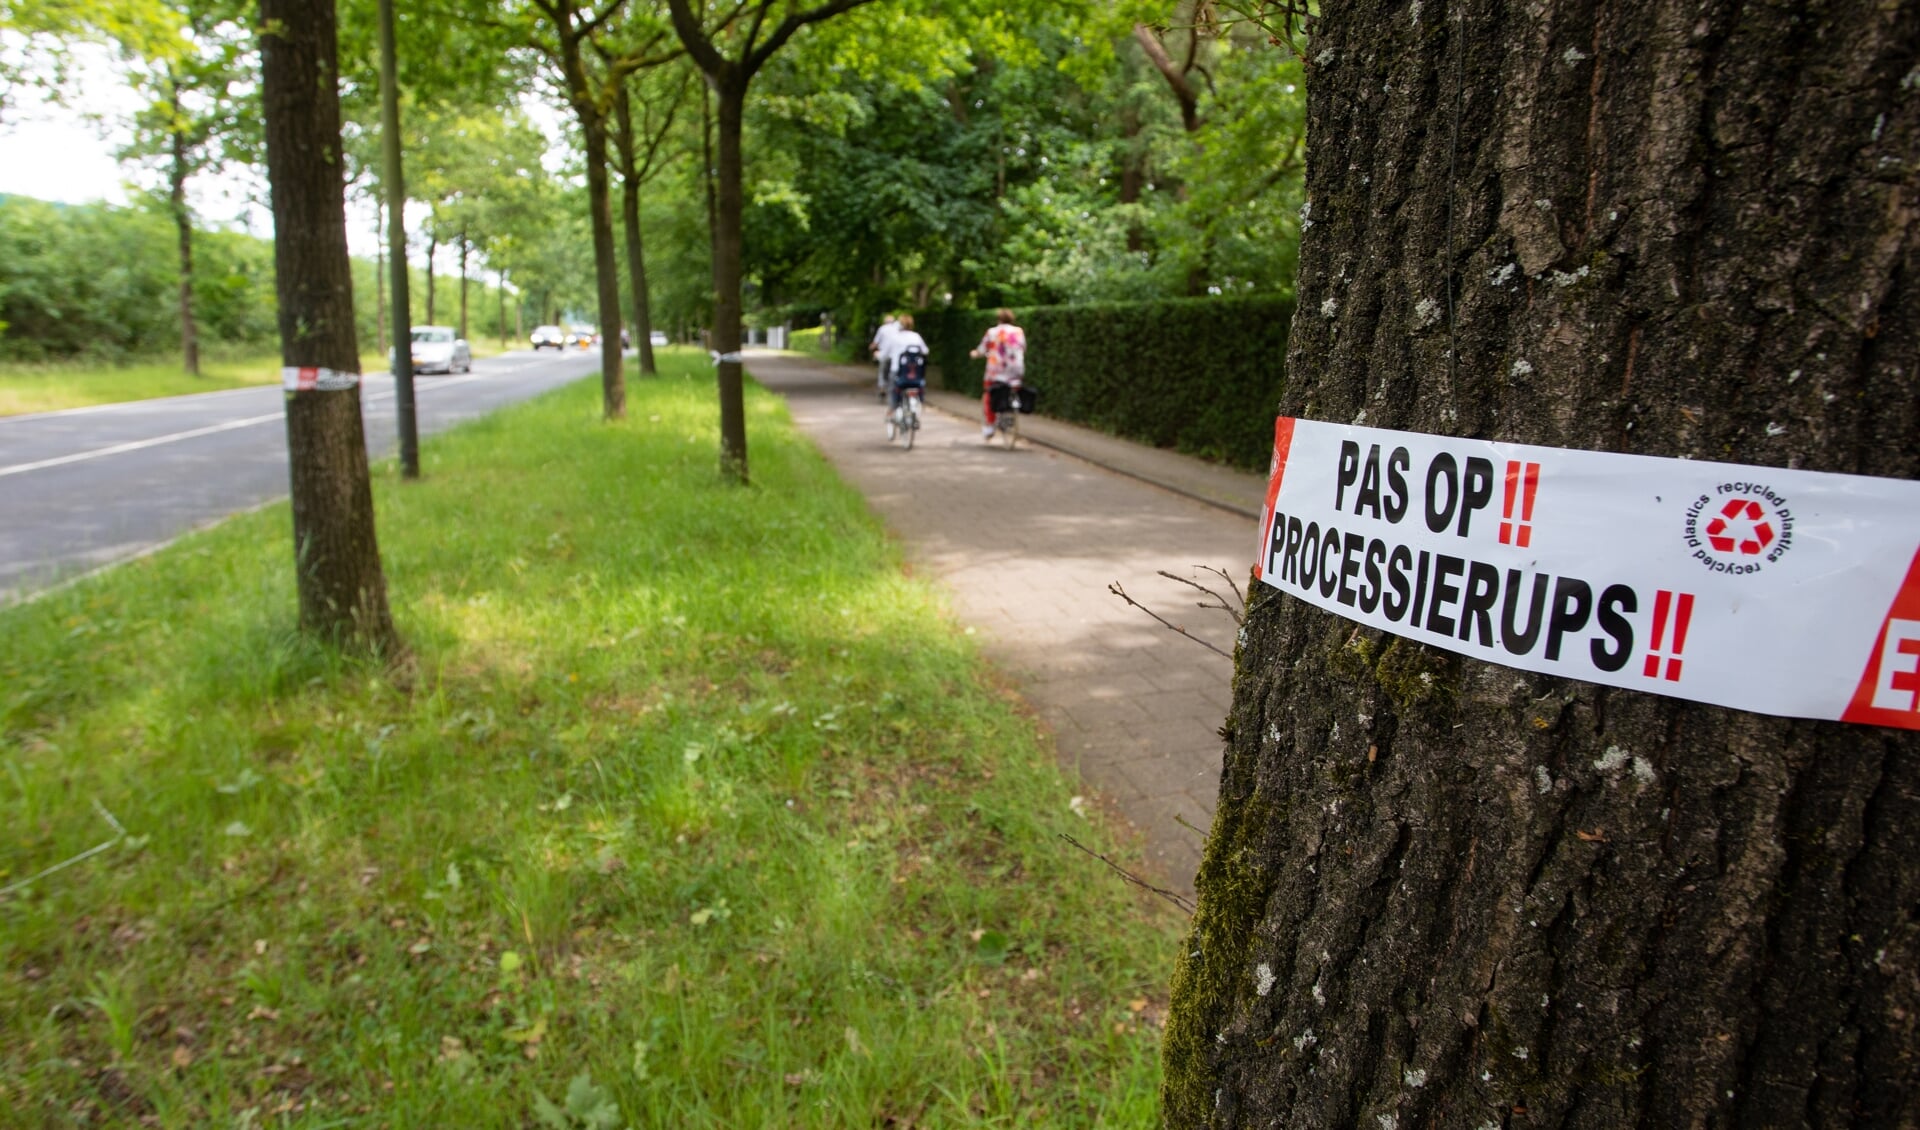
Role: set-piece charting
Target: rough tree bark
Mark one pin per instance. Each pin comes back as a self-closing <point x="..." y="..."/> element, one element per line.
<point x="343" y="594"/>
<point x="729" y="78"/>
<point x="1443" y="893"/>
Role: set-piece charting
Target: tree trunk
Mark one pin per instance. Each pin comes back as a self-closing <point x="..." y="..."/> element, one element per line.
<point x="343" y="595"/>
<point x="630" y="219"/>
<point x="613" y="384"/>
<point x="433" y="253"/>
<point x="379" y="279"/>
<point x="394" y="170"/>
<point x="183" y="224"/>
<point x="463" y="285"/>
<point x="727" y="253"/>
<point x="1430" y="897"/>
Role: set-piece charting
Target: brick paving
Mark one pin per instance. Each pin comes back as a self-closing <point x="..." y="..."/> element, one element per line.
<point x="1026" y="542"/>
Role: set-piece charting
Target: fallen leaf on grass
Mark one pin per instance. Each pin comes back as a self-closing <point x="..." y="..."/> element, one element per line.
<point x="182" y="1056"/>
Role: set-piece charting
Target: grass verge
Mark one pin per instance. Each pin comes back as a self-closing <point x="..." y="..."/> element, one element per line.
<point x="55" y="386"/>
<point x="690" y="808"/>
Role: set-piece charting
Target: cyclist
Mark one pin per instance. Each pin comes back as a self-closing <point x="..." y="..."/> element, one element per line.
<point x="905" y="360"/>
<point x="1005" y="348"/>
<point x="878" y="348"/>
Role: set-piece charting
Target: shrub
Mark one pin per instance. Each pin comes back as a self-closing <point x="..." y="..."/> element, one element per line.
<point x="1201" y="375"/>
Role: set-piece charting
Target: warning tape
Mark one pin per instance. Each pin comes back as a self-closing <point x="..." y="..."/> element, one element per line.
<point x="1779" y="591"/>
<point x="299" y="378"/>
<point x="723" y="358"/>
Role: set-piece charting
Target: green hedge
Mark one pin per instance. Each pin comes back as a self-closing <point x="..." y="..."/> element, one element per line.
<point x="1202" y="375"/>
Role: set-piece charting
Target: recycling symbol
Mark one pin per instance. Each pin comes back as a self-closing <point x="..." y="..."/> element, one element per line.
<point x="1740" y="525"/>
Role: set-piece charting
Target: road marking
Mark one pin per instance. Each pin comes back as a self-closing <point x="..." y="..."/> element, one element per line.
<point x="136" y="445"/>
<point x="192" y="433"/>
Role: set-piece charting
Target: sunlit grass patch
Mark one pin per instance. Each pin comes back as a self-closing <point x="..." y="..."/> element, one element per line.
<point x="688" y="809"/>
<point x="57" y="385"/>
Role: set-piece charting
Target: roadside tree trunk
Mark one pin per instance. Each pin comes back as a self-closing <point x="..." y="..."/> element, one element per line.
<point x="729" y="78"/>
<point x="728" y="250"/>
<point x="463" y="284"/>
<point x="343" y="594"/>
<point x="379" y="282"/>
<point x="626" y="144"/>
<point x="177" y="173"/>
<point x="393" y="168"/>
<point x="1441" y="893"/>
<point x="573" y="28"/>
<point x="433" y="253"/>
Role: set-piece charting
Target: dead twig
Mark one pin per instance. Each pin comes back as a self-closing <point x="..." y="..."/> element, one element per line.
<point x="1190" y="826"/>
<point x="1220" y="602"/>
<point x="1116" y="590"/>
<point x="1173" y="897"/>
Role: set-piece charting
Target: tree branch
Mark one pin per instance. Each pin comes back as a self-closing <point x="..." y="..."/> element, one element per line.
<point x="699" y="48"/>
<point x="1173" y="897"/>
<point x="1116" y="590"/>
<point x="1182" y="89"/>
<point x="793" y="23"/>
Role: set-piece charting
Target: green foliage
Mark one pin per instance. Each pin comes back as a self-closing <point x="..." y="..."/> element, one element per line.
<point x="101" y="281"/>
<point x="891" y="169"/>
<point x="691" y="808"/>
<point x="1202" y="375"/>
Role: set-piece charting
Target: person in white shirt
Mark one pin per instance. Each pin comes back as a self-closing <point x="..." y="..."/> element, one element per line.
<point x="878" y="347"/>
<point x="904" y="340"/>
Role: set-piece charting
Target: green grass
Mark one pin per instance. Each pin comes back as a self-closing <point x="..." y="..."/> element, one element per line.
<point x="690" y="809"/>
<point x="58" y="385"/>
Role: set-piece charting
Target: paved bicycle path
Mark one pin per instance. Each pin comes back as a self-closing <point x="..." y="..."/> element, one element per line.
<point x="1027" y="542"/>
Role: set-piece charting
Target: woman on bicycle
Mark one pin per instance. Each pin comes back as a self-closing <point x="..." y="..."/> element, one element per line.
<point x="1005" y="348"/>
<point x="905" y="344"/>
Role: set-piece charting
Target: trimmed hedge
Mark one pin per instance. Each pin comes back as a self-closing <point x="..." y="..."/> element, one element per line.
<point x="1201" y="375"/>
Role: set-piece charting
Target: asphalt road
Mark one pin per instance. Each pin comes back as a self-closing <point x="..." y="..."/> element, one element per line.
<point x="90" y="486"/>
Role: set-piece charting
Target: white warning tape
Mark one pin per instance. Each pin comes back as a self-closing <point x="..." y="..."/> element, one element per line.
<point x="1783" y="592"/>
<point x="298" y="378"/>
<point x="723" y="358"/>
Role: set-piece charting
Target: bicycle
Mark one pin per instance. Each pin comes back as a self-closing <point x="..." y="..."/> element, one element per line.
<point x="1009" y="399"/>
<point x="904" y="421"/>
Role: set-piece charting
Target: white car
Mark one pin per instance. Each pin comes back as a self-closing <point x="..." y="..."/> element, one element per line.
<point x="438" y="349"/>
<point x="657" y="338"/>
<point x="544" y="336"/>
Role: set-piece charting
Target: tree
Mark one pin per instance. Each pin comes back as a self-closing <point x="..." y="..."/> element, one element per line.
<point x="343" y="593"/>
<point x="199" y="115"/>
<point x="641" y="157"/>
<point x="590" y="95"/>
<point x="1430" y="897"/>
<point x="393" y="172"/>
<point x="729" y="76"/>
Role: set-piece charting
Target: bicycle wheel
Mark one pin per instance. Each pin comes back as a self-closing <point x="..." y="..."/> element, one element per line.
<point x="1009" y="422"/>
<point x="909" y="422"/>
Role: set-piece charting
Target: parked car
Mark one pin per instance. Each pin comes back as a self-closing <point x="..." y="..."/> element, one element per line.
<point x="657" y="338"/>
<point x="438" y="349"/>
<point x="585" y="337"/>
<point x="544" y="336"/>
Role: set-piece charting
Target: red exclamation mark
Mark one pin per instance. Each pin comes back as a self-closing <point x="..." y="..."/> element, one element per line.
<point x="1662" y="601"/>
<point x="1526" y="504"/>
<point x="1682" y="613"/>
<point x="1506" y="507"/>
